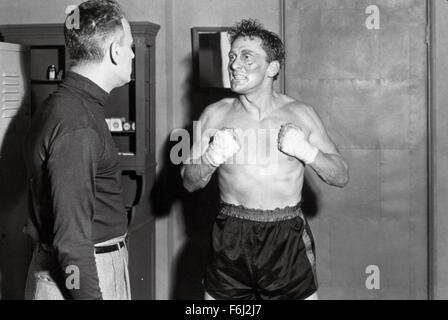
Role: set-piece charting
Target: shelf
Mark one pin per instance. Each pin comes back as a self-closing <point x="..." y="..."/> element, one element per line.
<point x="122" y="132"/>
<point x="46" y="81"/>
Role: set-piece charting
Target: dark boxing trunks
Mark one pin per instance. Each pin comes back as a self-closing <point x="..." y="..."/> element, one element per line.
<point x="261" y="254"/>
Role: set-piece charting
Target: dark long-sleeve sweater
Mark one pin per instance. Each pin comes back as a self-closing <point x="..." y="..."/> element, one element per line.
<point x="75" y="178"/>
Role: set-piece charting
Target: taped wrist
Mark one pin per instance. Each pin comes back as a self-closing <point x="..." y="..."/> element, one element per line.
<point x="224" y="146"/>
<point x="308" y="153"/>
<point x="213" y="157"/>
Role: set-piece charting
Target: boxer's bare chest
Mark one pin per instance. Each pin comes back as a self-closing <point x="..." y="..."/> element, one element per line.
<point x="241" y="120"/>
<point x="259" y="137"/>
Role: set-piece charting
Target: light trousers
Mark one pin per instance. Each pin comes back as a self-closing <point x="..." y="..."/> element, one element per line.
<point x="44" y="275"/>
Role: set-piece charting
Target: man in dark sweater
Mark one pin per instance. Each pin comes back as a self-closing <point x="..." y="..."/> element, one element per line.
<point x="78" y="218"/>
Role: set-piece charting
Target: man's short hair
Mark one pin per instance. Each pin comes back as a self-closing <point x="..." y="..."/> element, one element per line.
<point x="271" y="42"/>
<point x="99" y="20"/>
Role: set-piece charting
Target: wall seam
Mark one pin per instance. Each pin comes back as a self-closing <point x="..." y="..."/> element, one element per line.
<point x="170" y="21"/>
<point x="431" y="17"/>
<point x="282" y="29"/>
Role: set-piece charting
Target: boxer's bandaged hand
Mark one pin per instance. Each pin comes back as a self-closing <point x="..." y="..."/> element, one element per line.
<point x="223" y="146"/>
<point x="292" y="141"/>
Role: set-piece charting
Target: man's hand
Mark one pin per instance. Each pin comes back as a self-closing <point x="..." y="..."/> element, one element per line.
<point x="223" y="146"/>
<point x="293" y="142"/>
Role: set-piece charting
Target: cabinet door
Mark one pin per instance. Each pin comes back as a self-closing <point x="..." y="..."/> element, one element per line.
<point x="14" y="120"/>
<point x="14" y="103"/>
<point x="363" y="66"/>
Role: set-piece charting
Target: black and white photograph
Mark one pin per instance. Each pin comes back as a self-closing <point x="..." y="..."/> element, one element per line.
<point x="199" y="150"/>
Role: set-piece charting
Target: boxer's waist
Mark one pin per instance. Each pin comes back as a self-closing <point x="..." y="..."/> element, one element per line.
<point x="260" y="215"/>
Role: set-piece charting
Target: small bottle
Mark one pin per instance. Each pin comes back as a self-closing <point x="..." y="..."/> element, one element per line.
<point x="51" y="74"/>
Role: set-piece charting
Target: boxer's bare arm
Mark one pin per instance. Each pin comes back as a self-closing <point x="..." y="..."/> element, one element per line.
<point x="332" y="168"/>
<point x="197" y="171"/>
<point x="328" y="164"/>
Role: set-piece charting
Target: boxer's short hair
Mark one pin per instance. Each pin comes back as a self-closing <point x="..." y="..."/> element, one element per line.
<point x="271" y="42"/>
<point x="99" y="20"/>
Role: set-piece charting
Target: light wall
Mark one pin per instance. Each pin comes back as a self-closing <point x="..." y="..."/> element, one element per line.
<point x="369" y="87"/>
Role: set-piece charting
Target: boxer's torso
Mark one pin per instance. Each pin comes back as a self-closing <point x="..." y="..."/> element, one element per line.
<point x="259" y="175"/>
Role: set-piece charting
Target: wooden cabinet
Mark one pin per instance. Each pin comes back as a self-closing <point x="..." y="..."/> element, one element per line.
<point x="132" y="104"/>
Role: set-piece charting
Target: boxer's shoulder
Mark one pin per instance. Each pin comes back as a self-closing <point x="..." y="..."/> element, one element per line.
<point x="298" y="108"/>
<point x="294" y="105"/>
<point x="300" y="113"/>
<point x="215" y="112"/>
<point x="219" y="108"/>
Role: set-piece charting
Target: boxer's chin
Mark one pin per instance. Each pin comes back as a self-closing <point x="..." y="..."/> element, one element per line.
<point x="236" y="90"/>
<point x="237" y="87"/>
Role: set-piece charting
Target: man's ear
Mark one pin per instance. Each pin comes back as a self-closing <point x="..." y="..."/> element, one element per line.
<point x="273" y="68"/>
<point x="114" y="52"/>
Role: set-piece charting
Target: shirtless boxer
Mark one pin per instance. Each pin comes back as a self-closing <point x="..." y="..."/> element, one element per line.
<point x="262" y="246"/>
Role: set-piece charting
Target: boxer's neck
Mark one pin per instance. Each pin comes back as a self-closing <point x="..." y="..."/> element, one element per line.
<point x="259" y="104"/>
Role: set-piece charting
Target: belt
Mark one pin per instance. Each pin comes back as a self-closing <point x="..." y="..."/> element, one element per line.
<point x="259" y="215"/>
<point x="111" y="248"/>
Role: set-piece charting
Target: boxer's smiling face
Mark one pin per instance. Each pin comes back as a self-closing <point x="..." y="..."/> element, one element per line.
<point x="247" y="65"/>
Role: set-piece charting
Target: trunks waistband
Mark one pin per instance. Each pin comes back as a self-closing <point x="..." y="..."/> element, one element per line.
<point x="259" y="215"/>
